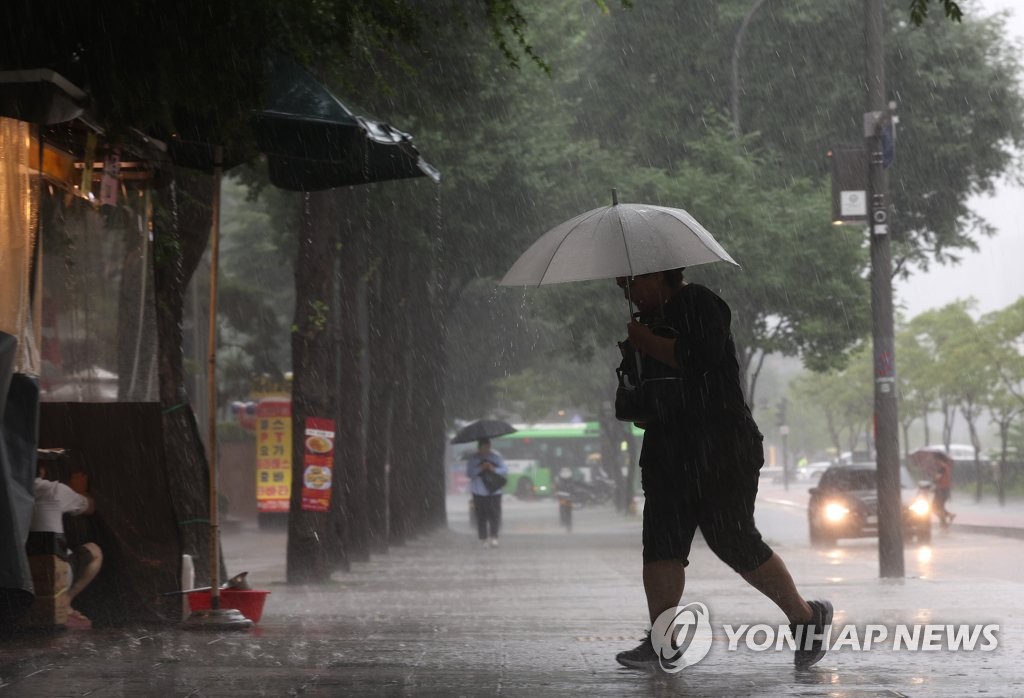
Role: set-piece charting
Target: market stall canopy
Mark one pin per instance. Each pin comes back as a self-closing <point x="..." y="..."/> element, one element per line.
<point x="39" y="96"/>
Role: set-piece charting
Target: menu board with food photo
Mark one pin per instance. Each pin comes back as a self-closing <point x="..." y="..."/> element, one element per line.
<point x="318" y="464"/>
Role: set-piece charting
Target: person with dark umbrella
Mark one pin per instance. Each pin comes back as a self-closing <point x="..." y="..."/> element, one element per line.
<point x="481" y="469"/>
<point x="942" y="474"/>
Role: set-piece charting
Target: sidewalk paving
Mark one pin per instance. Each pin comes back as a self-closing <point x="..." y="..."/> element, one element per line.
<point x="542" y="615"/>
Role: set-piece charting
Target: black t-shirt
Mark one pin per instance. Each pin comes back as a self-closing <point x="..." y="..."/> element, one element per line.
<point x="710" y="389"/>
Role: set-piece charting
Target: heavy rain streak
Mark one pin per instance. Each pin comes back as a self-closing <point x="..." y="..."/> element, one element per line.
<point x="601" y="347"/>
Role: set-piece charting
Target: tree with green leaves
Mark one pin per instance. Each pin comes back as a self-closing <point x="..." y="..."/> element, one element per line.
<point x="960" y="372"/>
<point x="802" y="291"/>
<point x="1005" y="356"/>
<point x="844" y="398"/>
<point x="917" y="393"/>
<point x="109" y="51"/>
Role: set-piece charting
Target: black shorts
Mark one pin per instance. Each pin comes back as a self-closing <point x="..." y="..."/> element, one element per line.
<point x="705" y="480"/>
<point x="79" y="558"/>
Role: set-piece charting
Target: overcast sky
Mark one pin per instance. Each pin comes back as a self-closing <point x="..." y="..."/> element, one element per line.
<point x="995" y="274"/>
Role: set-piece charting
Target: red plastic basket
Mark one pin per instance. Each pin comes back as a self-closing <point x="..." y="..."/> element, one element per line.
<point x="247" y="602"/>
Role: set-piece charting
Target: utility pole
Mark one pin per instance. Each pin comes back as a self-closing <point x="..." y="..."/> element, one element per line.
<point x="890" y="522"/>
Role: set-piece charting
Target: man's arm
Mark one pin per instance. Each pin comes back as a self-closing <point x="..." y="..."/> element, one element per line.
<point x="72" y="502"/>
<point x="662" y="349"/>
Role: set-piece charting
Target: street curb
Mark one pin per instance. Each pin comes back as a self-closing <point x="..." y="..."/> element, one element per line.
<point x="783" y="503"/>
<point x="1004" y="531"/>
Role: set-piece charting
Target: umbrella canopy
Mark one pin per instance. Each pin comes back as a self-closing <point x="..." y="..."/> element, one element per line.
<point x="312" y="141"/>
<point x="613" y="241"/>
<point x="483" y="429"/>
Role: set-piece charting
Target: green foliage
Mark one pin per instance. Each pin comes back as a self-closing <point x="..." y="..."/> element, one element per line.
<point x="919" y="11"/>
<point x="957" y="91"/>
<point x="634" y="98"/>
<point x="842" y="397"/>
<point x="233" y="432"/>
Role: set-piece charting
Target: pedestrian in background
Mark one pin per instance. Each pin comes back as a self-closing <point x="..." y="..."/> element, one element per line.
<point x="485" y="469"/>
<point x="942" y="474"/>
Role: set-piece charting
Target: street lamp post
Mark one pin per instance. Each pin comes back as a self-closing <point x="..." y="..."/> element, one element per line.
<point x="737" y="46"/>
<point x="890" y="522"/>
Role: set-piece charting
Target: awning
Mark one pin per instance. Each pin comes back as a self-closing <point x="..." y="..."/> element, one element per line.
<point x="313" y="141"/>
<point x="39" y="96"/>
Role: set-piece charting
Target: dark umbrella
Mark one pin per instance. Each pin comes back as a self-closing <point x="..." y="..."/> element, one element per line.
<point x="483" y="429"/>
<point x="313" y="141"/>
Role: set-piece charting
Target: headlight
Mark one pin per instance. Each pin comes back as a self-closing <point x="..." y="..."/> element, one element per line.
<point x="920" y="507"/>
<point x="834" y="512"/>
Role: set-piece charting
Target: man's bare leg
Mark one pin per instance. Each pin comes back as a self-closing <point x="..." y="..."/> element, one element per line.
<point x="773" y="580"/>
<point x="87" y="574"/>
<point x="663" y="583"/>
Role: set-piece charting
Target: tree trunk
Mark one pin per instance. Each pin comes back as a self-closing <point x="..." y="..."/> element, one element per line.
<point x="428" y="386"/>
<point x="1004" y="436"/>
<point x="311" y="536"/>
<point x="400" y="471"/>
<point x="351" y="448"/>
<point x="383" y="369"/>
<point x="181" y="232"/>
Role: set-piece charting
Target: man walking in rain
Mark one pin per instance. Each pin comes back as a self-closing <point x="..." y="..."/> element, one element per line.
<point x="486" y="471"/>
<point x="701" y="460"/>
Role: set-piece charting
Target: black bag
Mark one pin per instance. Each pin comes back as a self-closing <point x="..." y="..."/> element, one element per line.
<point x="629" y="396"/>
<point x="492" y="481"/>
<point x="647" y="388"/>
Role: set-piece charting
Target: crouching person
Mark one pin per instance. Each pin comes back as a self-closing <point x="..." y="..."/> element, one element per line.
<point x="46" y="535"/>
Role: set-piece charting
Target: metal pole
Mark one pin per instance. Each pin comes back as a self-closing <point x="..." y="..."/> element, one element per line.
<point x="890" y="522"/>
<point x="214" y="618"/>
<point x="785" y="458"/>
<point x="737" y="47"/>
<point x="211" y="386"/>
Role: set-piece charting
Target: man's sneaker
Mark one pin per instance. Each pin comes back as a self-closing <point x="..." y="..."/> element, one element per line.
<point x="642" y="657"/>
<point x="494" y="542"/>
<point x="810" y="638"/>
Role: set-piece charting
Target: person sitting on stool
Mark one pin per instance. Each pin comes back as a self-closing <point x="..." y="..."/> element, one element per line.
<point x="46" y="533"/>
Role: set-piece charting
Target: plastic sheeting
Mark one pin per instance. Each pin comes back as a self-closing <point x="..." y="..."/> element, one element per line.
<point x="118" y="446"/>
<point x="98" y="323"/>
<point x="18" y="223"/>
<point x="19" y="404"/>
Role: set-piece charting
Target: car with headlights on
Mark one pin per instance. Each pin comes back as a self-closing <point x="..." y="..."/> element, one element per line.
<point x="844" y="504"/>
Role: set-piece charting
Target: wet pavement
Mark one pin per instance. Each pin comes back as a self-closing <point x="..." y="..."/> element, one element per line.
<point x="544" y="614"/>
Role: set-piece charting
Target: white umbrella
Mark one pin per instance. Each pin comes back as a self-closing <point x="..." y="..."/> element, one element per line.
<point x="613" y="241"/>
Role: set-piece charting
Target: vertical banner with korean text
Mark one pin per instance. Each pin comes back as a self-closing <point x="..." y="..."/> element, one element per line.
<point x="319" y="464"/>
<point x="273" y="454"/>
